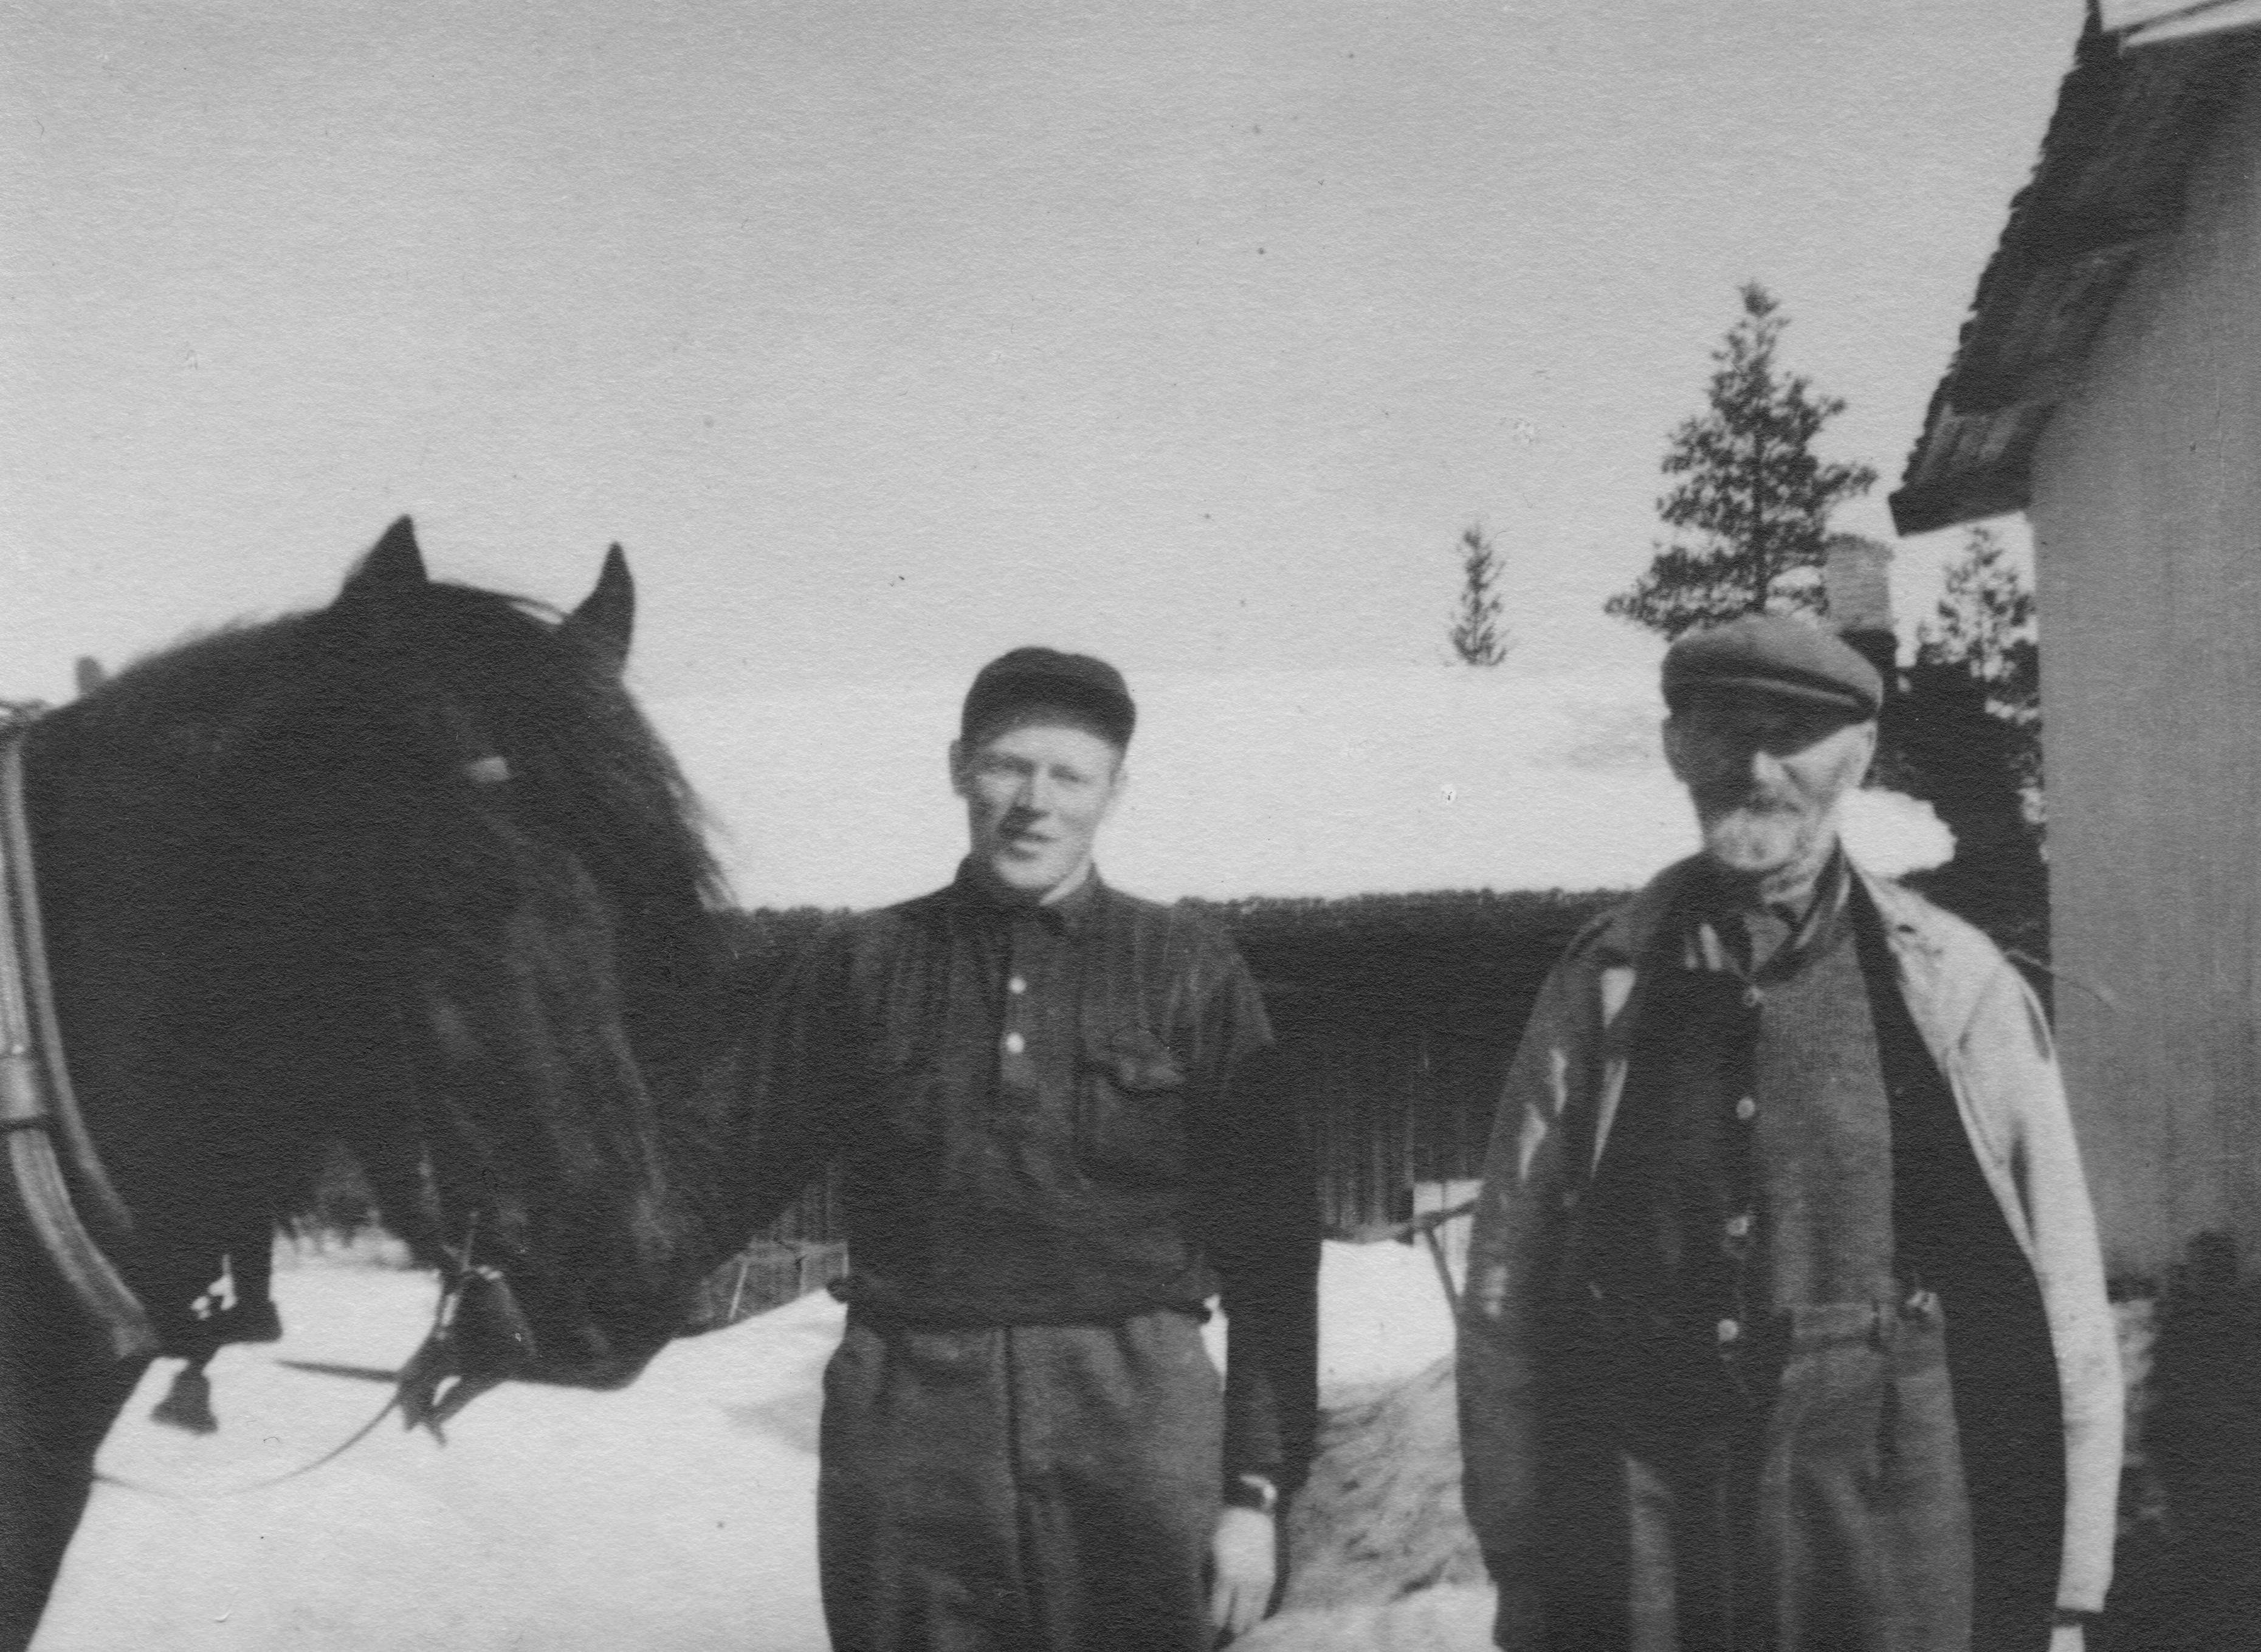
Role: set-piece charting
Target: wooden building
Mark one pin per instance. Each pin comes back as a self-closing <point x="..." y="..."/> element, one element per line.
<point x="1395" y="1016"/>
<point x="2108" y="384"/>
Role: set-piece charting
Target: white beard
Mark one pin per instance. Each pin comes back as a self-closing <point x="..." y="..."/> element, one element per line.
<point x="1754" y="841"/>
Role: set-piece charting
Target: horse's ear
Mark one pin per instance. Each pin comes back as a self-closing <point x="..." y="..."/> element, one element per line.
<point x="392" y="564"/>
<point x="606" y="616"/>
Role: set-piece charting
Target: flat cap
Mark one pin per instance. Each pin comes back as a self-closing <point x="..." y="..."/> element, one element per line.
<point x="1773" y="654"/>
<point x="1035" y="676"/>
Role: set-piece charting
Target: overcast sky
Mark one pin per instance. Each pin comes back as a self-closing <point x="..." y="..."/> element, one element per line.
<point x="890" y="333"/>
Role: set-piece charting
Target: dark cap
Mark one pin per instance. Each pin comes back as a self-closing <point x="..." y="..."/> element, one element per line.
<point x="1035" y="676"/>
<point x="1773" y="654"/>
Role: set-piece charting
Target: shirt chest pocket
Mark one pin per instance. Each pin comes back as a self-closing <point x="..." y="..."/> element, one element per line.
<point x="1131" y="1108"/>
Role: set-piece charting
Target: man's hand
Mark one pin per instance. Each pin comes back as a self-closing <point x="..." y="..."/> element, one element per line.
<point x="1244" y="1560"/>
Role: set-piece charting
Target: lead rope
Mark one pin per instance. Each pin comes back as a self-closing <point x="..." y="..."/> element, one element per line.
<point x="434" y="1339"/>
<point x="416" y="1398"/>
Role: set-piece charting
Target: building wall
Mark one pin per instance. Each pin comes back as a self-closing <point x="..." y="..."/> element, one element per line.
<point x="1393" y="1111"/>
<point x="2147" y="519"/>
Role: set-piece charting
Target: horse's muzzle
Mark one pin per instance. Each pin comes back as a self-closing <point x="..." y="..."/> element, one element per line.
<point x="484" y="1337"/>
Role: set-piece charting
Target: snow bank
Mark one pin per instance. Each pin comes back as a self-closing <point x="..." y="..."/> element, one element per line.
<point x="678" y="1515"/>
<point x="1381" y="1557"/>
<point x="1382" y="1317"/>
<point x="1382" y="1514"/>
<point x="1311" y="783"/>
<point x="1444" y="1619"/>
<point x="1452" y="1617"/>
<point x="673" y="1517"/>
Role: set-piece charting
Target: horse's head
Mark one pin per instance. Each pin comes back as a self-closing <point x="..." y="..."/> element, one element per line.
<point x="488" y="811"/>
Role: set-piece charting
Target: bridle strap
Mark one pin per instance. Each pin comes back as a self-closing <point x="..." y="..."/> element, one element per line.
<point x="36" y="1099"/>
<point x="126" y="1483"/>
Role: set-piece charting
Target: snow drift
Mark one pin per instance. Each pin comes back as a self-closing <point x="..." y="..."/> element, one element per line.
<point x="1314" y="783"/>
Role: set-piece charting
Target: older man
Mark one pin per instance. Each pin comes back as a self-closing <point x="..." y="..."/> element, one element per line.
<point x="1785" y="1325"/>
<point x="1050" y="1102"/>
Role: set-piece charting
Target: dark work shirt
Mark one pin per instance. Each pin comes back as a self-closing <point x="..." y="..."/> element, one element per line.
<point x="1062" y="1114"/>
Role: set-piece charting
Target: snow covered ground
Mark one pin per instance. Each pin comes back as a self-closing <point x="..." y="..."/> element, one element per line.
<point x="677" y="1514"/>
<point x="674" y="1514"/>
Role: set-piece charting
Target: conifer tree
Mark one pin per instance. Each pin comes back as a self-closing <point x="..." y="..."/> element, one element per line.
<point x="1754" y="501"/>
<point x="1984" y="624"/>
<point x="1475" y="634"/>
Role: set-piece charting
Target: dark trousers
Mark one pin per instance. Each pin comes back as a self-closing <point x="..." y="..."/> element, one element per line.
<point x="1019" y="1489"/>
<point x="1825" y="1512"/>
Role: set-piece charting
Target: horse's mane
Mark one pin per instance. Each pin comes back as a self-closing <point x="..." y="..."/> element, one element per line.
<point x="583" y="759"/>
<point x="453" y="666"/>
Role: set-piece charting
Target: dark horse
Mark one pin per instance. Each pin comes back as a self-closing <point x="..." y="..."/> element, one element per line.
<point x="408" y="873"/>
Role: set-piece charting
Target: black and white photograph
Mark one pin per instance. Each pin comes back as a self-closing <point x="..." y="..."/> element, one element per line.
<point x="1130" y="826"/>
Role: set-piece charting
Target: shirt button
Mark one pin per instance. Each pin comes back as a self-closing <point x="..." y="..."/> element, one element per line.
<point x="1017" y="985"/>
<point x="1730" y="1332"/>
<point x="1738" y="1225"/>
<point x="1015" y="1043"/>
<point x="1747" y="1110"/>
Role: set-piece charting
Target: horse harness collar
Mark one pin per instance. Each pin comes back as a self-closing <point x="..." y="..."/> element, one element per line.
<point x="39" y="1110"/>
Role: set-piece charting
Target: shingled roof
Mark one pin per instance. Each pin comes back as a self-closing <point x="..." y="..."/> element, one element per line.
<point x="2149" y="83"/>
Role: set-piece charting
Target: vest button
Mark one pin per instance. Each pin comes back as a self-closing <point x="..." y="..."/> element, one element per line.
<point x="1738" y="1225"/>
<point x="1747" y="1110"/>
<point x="1730" y="1331"/>
<point x="1753" y="997"/>
<point x="1015" y="1043"/>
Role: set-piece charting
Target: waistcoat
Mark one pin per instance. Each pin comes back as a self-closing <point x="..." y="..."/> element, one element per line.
<point x="1751" y="1164"/>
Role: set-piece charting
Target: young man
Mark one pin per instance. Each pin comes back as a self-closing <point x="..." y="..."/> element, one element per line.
<point x="1785" y="1325"/>
<point x="1051" y="1106"/>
